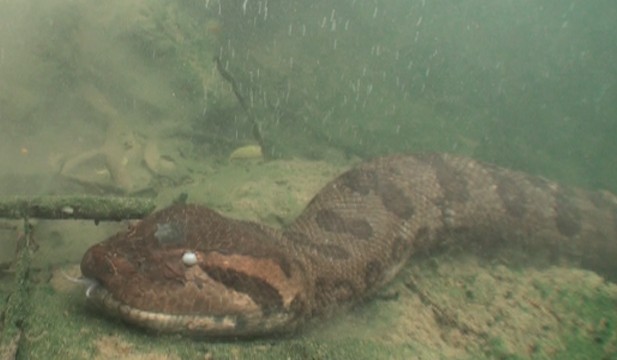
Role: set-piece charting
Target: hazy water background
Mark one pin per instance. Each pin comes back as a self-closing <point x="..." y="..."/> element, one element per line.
<point x="526" y="84"/>
<point x="523" y="83"/>
<point x="530" y="85"/>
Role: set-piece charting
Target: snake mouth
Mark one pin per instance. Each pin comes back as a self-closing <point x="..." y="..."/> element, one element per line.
<point x="159" y="322"/>
<point x="217" y="326"/>
<point x="88" y="283"/>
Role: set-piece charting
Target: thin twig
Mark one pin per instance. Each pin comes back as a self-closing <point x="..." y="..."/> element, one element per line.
<point x="236" y="90"/>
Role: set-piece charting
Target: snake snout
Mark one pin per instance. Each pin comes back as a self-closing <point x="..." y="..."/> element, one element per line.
<point x="97" y="264"/>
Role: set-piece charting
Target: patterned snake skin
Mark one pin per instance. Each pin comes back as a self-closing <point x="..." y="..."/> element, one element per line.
<point x="241" y="278"/>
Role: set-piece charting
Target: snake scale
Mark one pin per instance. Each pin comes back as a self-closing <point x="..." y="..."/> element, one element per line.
<point x="188" y="269"/>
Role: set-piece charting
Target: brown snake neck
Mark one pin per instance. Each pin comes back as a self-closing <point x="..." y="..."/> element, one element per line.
<point x="352" y="238"/>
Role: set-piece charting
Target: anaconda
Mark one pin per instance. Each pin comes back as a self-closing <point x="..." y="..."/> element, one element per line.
<point x="189" y="269"/>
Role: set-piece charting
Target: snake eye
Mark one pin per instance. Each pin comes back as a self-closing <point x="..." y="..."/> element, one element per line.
<point x="189" y="258"/>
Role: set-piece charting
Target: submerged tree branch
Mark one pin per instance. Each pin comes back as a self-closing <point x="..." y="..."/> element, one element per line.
<point x="96" y="208"/>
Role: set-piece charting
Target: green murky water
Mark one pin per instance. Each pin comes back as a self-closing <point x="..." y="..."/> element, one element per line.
<point x="125" y="98"/>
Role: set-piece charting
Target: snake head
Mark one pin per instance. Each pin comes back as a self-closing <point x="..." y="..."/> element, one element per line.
<point x="189" y="269"/>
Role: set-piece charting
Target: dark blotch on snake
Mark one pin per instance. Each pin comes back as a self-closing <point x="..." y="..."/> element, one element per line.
<point x="451" y="180"/>
<point x="360" y="228"/>
<point x="568" y="219"/>
<point x="601" y="200"/>
<point x="395" y="200"/>
<point x="262" y="293"/>
<point x="360" y="181"/>
<point x="511" y="194"/>
<point x="331" y="221"/>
